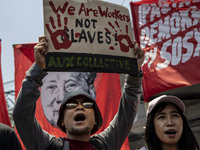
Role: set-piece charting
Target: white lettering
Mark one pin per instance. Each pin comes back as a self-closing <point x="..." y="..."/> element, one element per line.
<point x="165" y="55"/>
<point x="165" y="8"/>
<point x="195" y="15"/>
<point x="170" y="39"/>
<point x="176" y="51"/>
<point x="155" y="12"/>
<point x="186" y="22"/>
<point x="144" y="39"/>
<point x="175" y="23"/>
<point x="164" y="29"/>
<point x="152" y="56"/>
<point x="188" y="46"/>
<point x="197" y="37"/>
<point x="153" y="33"/>
<point x="143" y="12"/>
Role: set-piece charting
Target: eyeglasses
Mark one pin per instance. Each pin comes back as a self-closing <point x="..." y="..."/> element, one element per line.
<point x="84" y="104"/>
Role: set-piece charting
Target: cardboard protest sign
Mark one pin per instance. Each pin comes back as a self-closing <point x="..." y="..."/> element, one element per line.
<point x="88" y="35"/>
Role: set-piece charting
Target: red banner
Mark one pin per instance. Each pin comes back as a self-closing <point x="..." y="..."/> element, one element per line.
<point x="4" y="117"/>
<point x="169" y="33"/>
<point x="107" y="86"/>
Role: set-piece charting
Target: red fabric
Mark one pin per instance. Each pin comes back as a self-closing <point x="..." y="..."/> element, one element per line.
<point x="4" y="117"/>
<point x="170" y="36"/>
<point x="107" y="87"/>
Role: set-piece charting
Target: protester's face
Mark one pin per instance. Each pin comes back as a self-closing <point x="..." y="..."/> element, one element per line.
<point x="168" y="125"/>
<point x="55" y="86"/>
<point x="80" y="120"/>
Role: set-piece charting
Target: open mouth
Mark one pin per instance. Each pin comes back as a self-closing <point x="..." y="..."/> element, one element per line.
<point x="170" y="132"/>
<point x="79" y="117"/>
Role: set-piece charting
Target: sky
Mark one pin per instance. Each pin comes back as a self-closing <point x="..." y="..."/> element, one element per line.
<point x="21" y="22"/>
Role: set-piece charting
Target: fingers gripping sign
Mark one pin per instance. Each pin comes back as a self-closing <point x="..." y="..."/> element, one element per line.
<point x="40" y="50"/>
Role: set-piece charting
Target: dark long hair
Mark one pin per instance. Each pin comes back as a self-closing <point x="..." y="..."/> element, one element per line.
<point x="186" y="142"/>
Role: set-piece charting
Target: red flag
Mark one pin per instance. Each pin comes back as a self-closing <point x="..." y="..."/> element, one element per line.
<point x="169" y="32"/>
<point x="4" y="117"/>
<point x="107" y="99"/>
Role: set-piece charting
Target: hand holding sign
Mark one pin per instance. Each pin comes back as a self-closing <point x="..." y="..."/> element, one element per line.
<point x="139" y="53"/>
<point x="40" y="50"/>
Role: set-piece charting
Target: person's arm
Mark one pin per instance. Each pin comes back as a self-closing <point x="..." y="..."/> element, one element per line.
<point x="115" y="134"/>
<point x="24" y="110"/>
<point x="31" y="134"/>
<point x="8" y="138"/>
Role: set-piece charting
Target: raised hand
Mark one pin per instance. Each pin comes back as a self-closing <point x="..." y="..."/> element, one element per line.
<point x="139" y="53"/>
<point x="40" y="50"/>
